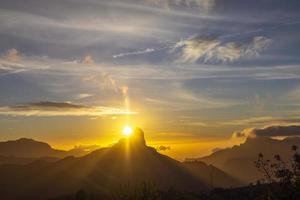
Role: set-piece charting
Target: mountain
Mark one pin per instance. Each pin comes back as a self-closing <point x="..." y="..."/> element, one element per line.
<point x="130" y="161"/>
<point x="238" y="161"/>
<point x="31" y="149"/>
<point x="23" y="161"/>
<point x="28" y="148"/>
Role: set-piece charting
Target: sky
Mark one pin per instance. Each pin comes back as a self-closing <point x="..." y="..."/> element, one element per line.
<point x="190" y="73"/>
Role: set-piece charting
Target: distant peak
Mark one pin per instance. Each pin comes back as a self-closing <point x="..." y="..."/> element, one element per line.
<point x="137" y="138"/>
<point x="26" y="140"/>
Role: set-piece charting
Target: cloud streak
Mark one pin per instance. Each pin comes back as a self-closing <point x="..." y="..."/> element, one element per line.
<point x="13" y="61"/>
<point x="169" y="4"/>
<point x="148" y="50"/>
<point x="264" y="120"/>
<point x="48" y="109"/>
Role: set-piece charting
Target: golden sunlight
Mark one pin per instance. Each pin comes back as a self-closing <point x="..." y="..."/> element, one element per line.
<point x="127" y="131"/>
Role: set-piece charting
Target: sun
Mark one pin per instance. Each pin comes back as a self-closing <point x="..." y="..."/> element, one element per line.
<point x="127" y="131"/>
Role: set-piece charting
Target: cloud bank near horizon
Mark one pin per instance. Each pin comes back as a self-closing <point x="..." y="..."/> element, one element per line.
<point x="270" y="131"/>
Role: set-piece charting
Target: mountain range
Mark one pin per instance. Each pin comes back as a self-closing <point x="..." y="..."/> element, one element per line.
<point x="130" y="161"/>
<point x="24" y="150"/>
<point x="238" y="161"/>
<point x="39" y="171"/>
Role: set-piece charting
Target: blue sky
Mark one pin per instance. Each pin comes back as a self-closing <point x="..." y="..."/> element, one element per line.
<point x="187" y="68"/>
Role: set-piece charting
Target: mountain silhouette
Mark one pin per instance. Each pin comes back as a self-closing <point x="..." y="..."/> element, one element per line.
<point x="25" y="150"/>
<point x="240" y="159"/>
<point x="28" y="148"/>
<point x="130" y="161"/>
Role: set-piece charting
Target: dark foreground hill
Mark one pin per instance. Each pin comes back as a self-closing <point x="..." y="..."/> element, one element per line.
<point x="129" y="161"/>
<point x="238" y="161"/>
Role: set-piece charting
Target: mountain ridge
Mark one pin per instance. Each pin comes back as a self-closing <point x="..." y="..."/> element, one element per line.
<point x="240" y="158"/>
<point x="33" y="149"/>
<point x="128" y="161"/>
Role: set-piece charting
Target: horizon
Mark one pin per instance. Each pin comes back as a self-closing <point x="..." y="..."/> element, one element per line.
<point x="162" y="149"/>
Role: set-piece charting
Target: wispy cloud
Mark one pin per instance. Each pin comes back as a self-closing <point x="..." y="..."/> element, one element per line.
<point x="13" y="61"/>
<point x="169" y="4"/>
<point x="195" y="48"/>
<point x="264" y="120"/>
<point x="148" y="50"/>
<point x="83" y="95"/>
<point x="178" y="97"/>
<point x="61" y="109"/>
<point x="213" y="49"/>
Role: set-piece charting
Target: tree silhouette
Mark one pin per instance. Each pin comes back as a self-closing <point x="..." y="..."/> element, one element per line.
<point x="282" y="177"/>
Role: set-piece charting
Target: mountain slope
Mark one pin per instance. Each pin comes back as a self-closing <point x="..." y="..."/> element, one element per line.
<point x="128" y="161"/>
<point x="212" y="175"/>
<point x="240" y="159"/>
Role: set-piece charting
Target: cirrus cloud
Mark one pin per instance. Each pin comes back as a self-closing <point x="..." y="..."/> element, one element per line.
<point x="168" y="4"/>
<point x="213" y="49"/>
